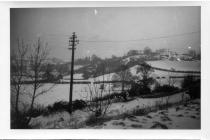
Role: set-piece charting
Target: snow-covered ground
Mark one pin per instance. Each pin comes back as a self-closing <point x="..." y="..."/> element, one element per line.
<point x="138" y="103"/>
<point x="177" y="65"/>
<point x="179" y="116"/>
<point x="76" y="67"/>
<point x="176" y="117"/>
<point x="76" y="76"/>
<point x="58" y="92"/>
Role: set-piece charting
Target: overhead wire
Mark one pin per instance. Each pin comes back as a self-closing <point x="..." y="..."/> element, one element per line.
<point x="122" y="41"/>
<point x="141" y="39"/>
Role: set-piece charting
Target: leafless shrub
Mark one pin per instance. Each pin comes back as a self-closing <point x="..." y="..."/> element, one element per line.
<point x="95" y="104"/>
<point x="171" y="81"/>
<point x="123" y="75"/>
<point x="37" y="57"/>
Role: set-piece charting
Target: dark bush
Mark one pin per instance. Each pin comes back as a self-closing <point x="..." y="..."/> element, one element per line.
<point x="145" y="80"/>
<point x="188" y="81"/>
<point x="79" y="104"/>
<point x="58" y="106"/>
<point x="165" y="88"/>
<point x="193" y="86"/>
<point x="64" y="106"/>
<point x="195" y="91"/>
<point x="138" y="89"/>
<point x="19" y="121"/>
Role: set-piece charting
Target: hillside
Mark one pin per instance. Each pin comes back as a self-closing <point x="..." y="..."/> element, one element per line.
<point x="138" y="113"/>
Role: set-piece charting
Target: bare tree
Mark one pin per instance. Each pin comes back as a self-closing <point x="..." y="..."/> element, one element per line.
<point x="171" y="81"/>
<point x="147" y="51"/>
<point x="97" y="104"/>
<point x="37" y="57"/>
<point x="145" y="71"/>
<point x="18" y="70"/>
<point x="124" y="75"/>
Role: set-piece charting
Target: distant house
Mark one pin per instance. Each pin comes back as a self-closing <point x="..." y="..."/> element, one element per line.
<point x="164" y="56"/>
<point x="156" y="55"/>
<point x="186" y="57"/>
<point x="134" y="58"/>
<point x="55" y="73"/>
<point x="162" y="53"/>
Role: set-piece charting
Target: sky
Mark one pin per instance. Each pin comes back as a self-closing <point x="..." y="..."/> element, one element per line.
<point x="107" y="31"/>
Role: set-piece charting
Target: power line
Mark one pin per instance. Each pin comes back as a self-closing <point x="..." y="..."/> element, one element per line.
<point x="141" y="39"/>
<point x="64" y="36"/>
<point x="118" y="41"/>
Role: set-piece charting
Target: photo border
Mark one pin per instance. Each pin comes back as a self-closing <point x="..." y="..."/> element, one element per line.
<point x="6" y="132"/>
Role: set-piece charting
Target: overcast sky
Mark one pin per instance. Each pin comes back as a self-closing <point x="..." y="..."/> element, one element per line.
<point x="109" y="31"/>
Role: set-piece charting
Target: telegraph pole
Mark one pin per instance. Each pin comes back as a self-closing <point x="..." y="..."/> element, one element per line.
<point x="72" y="42"/>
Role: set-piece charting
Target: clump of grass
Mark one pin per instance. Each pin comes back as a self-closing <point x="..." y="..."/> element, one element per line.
<point x="38" y="110"/>
<point x="93" y="120"/>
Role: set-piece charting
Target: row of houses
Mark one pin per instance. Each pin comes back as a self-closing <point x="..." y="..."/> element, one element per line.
<point x="162" y="54"/>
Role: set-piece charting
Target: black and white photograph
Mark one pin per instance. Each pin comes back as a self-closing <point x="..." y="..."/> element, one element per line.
<point x="105" y="68"/>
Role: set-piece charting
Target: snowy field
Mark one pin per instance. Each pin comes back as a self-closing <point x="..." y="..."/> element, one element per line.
<point x="60" y="92"/>
<point x="177" y="65"/>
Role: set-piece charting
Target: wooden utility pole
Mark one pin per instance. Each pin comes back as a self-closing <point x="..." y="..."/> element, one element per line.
<point x="72" y="42"/>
